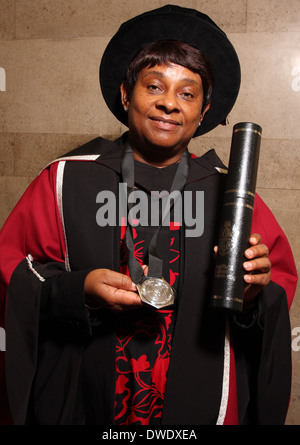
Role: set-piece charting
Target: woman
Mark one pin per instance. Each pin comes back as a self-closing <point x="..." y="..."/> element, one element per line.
<point x="86" y="343"/>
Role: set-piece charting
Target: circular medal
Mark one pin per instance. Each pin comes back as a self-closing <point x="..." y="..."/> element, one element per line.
<point x="156" y="292"/>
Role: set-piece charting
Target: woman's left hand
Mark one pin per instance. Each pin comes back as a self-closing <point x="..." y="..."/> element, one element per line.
<point x="258" y="268"/>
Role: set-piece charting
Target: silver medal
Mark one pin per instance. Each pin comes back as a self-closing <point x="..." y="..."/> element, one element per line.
<point x="156" y="292"/>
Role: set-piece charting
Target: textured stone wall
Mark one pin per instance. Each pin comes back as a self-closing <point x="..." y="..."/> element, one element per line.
<point x="50" y="99"/>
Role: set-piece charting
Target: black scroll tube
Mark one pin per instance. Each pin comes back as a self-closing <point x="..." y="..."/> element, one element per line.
<point x="236" y="220"/>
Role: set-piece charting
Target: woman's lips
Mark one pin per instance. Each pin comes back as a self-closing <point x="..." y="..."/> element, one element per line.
<point x="164" y="123"/>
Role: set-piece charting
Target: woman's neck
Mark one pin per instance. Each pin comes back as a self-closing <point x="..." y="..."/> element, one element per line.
<point x="159" y="157"/>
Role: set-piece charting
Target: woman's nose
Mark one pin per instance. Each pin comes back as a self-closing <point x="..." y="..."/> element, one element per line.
<point x="168" y="101"/>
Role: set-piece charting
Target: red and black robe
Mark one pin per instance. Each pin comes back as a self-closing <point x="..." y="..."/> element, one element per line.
<point x="66" y="365"/>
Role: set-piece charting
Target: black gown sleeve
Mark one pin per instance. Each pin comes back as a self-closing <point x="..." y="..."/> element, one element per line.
<point x="45" y="304"/>
<point x="263" y="360"/>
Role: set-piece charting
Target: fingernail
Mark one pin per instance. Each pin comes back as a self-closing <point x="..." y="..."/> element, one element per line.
<point x="248" y="266"/>
<point x="249" y="253"/>
<point x="248" y="278"/>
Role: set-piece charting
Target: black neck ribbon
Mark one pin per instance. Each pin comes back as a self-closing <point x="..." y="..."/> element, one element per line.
<point x="155" y="264"/>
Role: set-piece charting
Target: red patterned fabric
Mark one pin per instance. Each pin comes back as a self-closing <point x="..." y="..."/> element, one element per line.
<point x="143" y="347"/>
<point x="141" y="377"/>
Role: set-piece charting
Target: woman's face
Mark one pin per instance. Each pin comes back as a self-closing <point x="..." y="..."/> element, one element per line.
<point x="164" y="109"/>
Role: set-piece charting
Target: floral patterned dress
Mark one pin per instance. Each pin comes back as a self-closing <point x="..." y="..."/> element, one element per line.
<point x="144" y="336"/>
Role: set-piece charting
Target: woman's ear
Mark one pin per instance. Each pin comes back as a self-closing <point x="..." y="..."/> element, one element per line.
<point x="205" y="110"/>
<point x="124" y="95"/>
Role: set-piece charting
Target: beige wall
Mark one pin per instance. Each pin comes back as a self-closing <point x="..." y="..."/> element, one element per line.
<point x="50" y="51"/>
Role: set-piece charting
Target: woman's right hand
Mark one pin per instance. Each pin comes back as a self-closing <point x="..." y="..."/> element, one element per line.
<point x="111" y="290"/>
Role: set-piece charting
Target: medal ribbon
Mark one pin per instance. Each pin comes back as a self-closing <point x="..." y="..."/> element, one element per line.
<point x="155" y="266"/>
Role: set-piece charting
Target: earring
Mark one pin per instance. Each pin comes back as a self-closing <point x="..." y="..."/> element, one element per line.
<point x="199" y="125"/>
<point x="125" y="108"/>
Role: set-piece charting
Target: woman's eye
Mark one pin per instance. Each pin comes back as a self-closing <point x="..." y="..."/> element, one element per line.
<point x="153" y="88"/>
<point x="187" y="95"/>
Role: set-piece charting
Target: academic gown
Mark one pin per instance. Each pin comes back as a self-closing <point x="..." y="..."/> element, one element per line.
<point x="220" y="366"/>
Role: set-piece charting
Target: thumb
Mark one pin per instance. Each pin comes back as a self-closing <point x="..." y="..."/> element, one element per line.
<point x="122" y="281"/>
